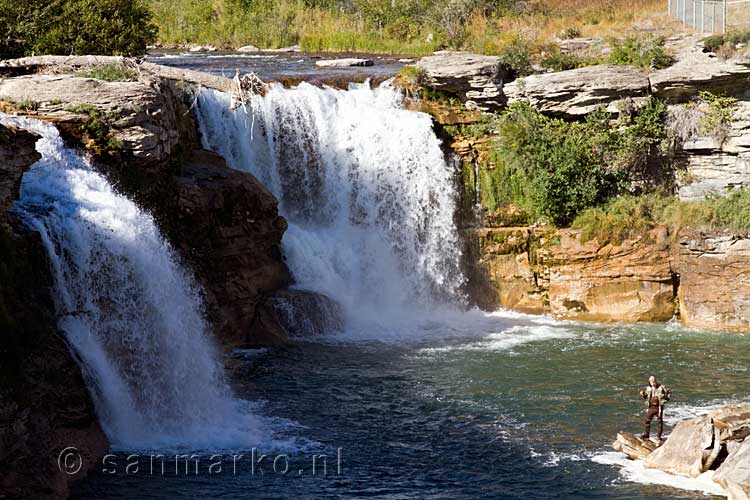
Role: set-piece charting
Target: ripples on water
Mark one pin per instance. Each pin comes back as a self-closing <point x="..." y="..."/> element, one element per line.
<point x="515" y="407"/>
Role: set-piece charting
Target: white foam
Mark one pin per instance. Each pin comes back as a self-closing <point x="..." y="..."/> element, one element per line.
<point x="635" y="471"/>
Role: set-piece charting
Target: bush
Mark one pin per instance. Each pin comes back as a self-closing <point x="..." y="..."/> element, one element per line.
<point x="647" y="54"/>
<point x="552" y="169"/>
<point x="109" y="27"/>
<point x="725" y="46"/>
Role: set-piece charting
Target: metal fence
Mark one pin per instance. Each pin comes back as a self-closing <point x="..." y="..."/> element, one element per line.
<point x="711" y="16"/>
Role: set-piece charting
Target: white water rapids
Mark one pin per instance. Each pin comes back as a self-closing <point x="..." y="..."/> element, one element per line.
<point x="131" y="312"/>
<point x="365" y="187"/>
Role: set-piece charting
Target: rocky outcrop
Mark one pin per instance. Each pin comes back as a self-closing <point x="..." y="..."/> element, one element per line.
<point x="714" y="446"/>
<point x="303" y="313"/>
<point x="629" y="282"/>
<point x="477" y="80"/>
<point x="228" y="226"/>
<point x="44" y="403"/>
<point x="683" y="452"/>
<point x="536" y="270"/>
<point x="580" y="91"/>
<point x="714" y="287"/>
<point x="141" y="134"/>
<point x="695" y="70"/>
<point x="715" y="163"/>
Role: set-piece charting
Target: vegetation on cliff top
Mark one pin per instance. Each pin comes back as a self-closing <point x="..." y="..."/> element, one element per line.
<point x="109" y="27"/>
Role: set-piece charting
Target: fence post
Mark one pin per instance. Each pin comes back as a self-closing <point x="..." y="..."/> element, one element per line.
<point x="726" y="10"/>
<point x="703" y="16"/>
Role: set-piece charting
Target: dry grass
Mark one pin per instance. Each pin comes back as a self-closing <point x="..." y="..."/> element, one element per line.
<point x="547" y="19"/>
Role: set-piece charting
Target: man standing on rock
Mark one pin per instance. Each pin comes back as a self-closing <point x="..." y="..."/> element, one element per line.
<point x="656" y="396"/>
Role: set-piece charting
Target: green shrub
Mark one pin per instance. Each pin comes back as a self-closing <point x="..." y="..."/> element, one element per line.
<point x="114" y="27"/>
<point x="725" y="213"/>
<point x="645" y="53"/>
<point x="111" y="72"/>
<point x="549" y="168"/>
<point x="570" y="33"/>
<point x="556" y="60"/>
<point x="718" y="113"/>
<point x="726" y="45"/>
<point x="515" y="52"/>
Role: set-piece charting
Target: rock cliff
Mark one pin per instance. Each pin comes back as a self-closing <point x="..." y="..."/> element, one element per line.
<point x="141" y="134"/>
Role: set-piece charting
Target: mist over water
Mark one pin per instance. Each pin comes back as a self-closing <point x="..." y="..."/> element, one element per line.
<point x="365" y="187"/>
<point x="131" y="312"/>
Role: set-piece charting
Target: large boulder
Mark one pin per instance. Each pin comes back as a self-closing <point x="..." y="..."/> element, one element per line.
<point x="734" y="473"/>
<point x="578" y="92"/>
<point x="714" y="287"/>
<point x="17" y="153"/>
<point x="303" y="313"/>
<point x="227" y="224"/>
<point x="477" y="80"/>
<point x="683" y="453"/>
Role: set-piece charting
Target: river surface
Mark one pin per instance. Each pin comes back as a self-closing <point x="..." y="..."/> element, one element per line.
<point x="514" y="407"/>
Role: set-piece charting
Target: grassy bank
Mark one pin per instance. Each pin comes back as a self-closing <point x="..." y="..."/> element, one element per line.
<point x="413" y="27"/>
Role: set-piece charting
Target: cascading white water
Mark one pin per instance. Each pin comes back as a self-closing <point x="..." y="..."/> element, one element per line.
<point x="128" y="308"/>
<point x="364" y="185"/>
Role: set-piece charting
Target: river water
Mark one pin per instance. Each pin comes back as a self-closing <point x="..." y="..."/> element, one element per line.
<point x="415" y="399"/>
<point x="499" y="406"/>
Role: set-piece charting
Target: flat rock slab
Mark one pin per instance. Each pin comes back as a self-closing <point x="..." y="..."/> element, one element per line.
<point x="344" y="63"/>
<point x="683" y="452"/>
<point x="578" y="92"/>
<point x="695" y="71"/>
<point x="635" y="447"/>
<point x="733" y="422"/>
<point x="476" y="79"/>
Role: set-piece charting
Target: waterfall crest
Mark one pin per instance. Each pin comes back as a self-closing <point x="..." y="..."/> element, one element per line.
<point x="364" y="185"/>
<point x="131" y="312"/>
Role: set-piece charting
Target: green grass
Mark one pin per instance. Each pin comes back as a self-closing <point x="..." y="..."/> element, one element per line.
<point x="110" y="72"/>
<point x="631" y="217"/>
<point x="373" y="42"/>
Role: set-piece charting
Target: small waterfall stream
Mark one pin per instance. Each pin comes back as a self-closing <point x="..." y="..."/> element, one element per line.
<point x="364" y="185"/>
<point x="129" y="309"/>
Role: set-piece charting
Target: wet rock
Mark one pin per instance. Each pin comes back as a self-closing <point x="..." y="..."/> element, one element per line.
<point x="578" y="92"/>
<point x="714" y="290"/>
<point x="683" y="453"/>
<point x="477" y="80"/>
<point x="732" y="423"/>
<point x="44" y="403"/>
<point x="227" y="224"/>
<point x="304" y="313"/>
<point x="343" y="63"/>
<point x="202" y="48"/>
<point x="635" y="447"/>
<point x="247" y="48"/>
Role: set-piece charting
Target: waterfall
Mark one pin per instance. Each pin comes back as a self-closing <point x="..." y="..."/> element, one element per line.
<point x="128" y="308"/>
<point x="365" y="187"/>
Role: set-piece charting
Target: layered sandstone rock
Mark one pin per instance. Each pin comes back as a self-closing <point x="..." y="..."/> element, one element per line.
<point x="635" y="447"/>
<point x="630" y="282"/>
<point x="578" y="92"/>
<point x="714" y="287"/>
<point x="44" y="403"/>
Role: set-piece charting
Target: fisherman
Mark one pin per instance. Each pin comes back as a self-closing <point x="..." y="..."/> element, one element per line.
<point x="656" y="396"/>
